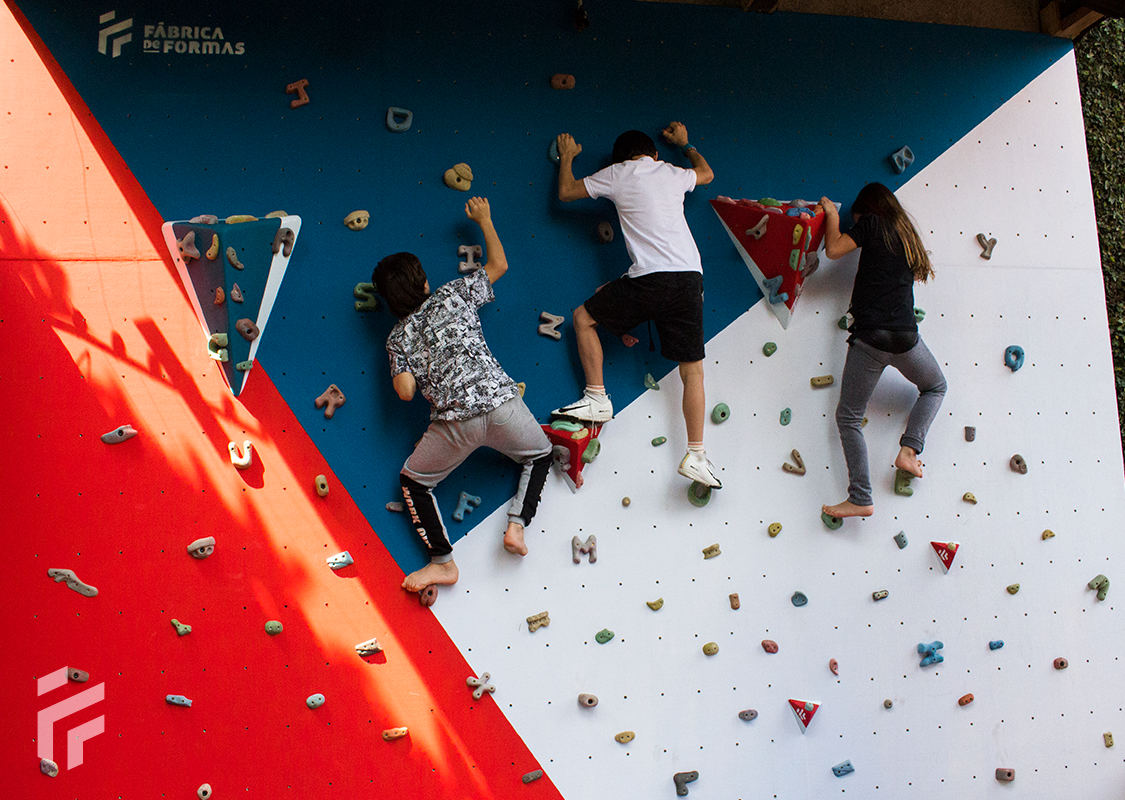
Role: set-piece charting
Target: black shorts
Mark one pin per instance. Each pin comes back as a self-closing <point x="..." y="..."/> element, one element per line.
<point x="673" y="300"/>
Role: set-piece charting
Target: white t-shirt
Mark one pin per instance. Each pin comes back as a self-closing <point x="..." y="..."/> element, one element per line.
<point x="649" y="196"/>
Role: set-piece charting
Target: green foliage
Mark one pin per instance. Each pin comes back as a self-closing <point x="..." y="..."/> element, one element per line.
<point x="1100" y="55"/>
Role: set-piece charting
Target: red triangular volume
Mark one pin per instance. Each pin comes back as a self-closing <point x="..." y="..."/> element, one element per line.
<point x="569" y="451"/>
<point x="779" y="248"/>
<point x="945" y="551"/>
<point x="804" y="711"/>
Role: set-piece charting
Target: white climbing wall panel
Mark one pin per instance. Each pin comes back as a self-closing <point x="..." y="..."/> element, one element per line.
<point x="1021" y="176"/>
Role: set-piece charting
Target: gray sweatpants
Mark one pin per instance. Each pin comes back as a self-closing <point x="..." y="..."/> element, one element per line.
<point x="862" y="370"/>
<point x="510" y="429"/>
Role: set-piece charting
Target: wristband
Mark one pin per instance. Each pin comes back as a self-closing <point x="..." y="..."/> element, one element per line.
<point x="686" y="148"/>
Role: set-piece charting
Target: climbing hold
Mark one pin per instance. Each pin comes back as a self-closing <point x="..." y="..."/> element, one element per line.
<point x="759" y="230"/>
<point x="357" y="220"/>
<point x="768" y="349"/>
<point x="842" y="323"/>
<point x="534" y="775"/>
<point x="522" y="387"/>
<point x="232" y="258"/>
<point x="330" y="399"/>
<point x="656" y="604"/>
<point x="1018" y="464"/>
<point x="603" y="636"/>
<point x="1107" y="737"/>
<point x="283" y="242"/>
<point x="368" y="648"/>
<point x="769" y="645"/>
<point x="796" y="470"/>
<point x="605" y="232"/>
<point x="902" y="482"/>
<point x="887" y="703"/>
<point x="995" y="644"/>
<point x="710" y="649"/>
<point x="748" y="715"/>
<point x="682" y="779"/>
<point x="786" y="416"/>
<point x="235" y="219"/>
<point x="798" y="599"/>
<point x="970" y="433"/>
<point x="566" y="425"/>
<point x="804" y="711"/>
<point x="797" y="231"/>
<point x="834" y="666"/>
<point x="298" y="89"/>
<point x="720" y="413"/>
<point x="549" y="325"/>
<point x="901" y="159"/>
<point x="118" y="435"/>
<point x="1015" y="587"/>
<point x="390" y="734"/>
<point x="987" y="244"/>
<point x="578" y="547"/>
<point x="771" y="285"/>
<point x="177" y="700"/>
<point x="428" y="596"/>
<point x="830" y="522"/>
<point x="879" y="595"/>
<point x="562" y="81"/>
<point x="77" y="675"/>
<point x="821" y="380"/>
<point x="213" y="250"/>
<point x="187" y="247"/>
<point x="774" y="529"/>
<point x="795" y="258"/>
<point x="314" y="700"/>
<point x="203" y="792"/>
<point x="181" y="628"/>
<point x="1013" y="357"/>
<point x="537" y="621"/>
<point x="220" y="295"/>
<point x="900" y="539"/>
<point x="843" y="768"/>
<point x="930" y="654"/>
<point x="321" y="483"/>
<point x="48" y="767"/>
<point x="699" y="494"/>
<point x="650" y="382"/>
<point x="969" y="497"/>
<point x="712" y="550"/>
<point x="659" y="440"/>
<point x="247" y="328"/>
<point x="587" y="700"/>
<point x="965" y="699"/>
<point x="1061" y="663"/>
<point x="340" y="560"/>
<point x="919" y="314"/>
<point x="72" y="582"/>
<point x="1005" y="774"/>
<point x="625" y="501"/>
<point x="946" y="551"/>
<point x="1101" y="583"/>
<point x="770" y="202"/>
<point x="459" y="177"/>
<point x="481" y="685"/>
<point x="735" y="603"/>
<point x="469" y="252"/>
<point x="553" y="152"/>
<point x="395" y="507"/>
<point x="244" y="460"/>
<point x="236" y="296"/>
<point x="592" y="449"/>
<point x="399" y="119"/>
<point x="1048" y="534"/>
<point x="204" y="219"/>
<point x="273" y="627"/>
<point x="625" y="737"/>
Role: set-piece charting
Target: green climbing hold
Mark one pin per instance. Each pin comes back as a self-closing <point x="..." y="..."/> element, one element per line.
<point x="603" y="636"/>
<point x="650" y="382"/>
<point x="919" y="314"/>
<point x="843" y="323"/>
<point x="699" y="494"/>
<point x="831" y="522"/>
<point x="786" y="416"/>
<point x="659" y="440"/>
<point x="273" y="627"/>
<point x="720" y="413"/>
<point x="769" y="201"/>
<point x="566" y="425"/>
<point x="181" y="628"/>
<point x="902" y="483"/>
<point x="768" y="349"/>
<point x="591" y="451"/>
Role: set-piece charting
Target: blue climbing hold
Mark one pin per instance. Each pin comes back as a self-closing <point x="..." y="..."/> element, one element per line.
<point x="995" y="644"/>
<point x="900" y="539"/>
<point x="399" y="119"/>
<point x="799" y="599"/>
<point x="901" y="159"/>
<point x="842" y="769"/>
<point x="929" y="653"/>
<point x="553" y="152"/>
<point x="1013" y="357"/>
<point x="773" y="284"/>
<point x="466" y="502"/>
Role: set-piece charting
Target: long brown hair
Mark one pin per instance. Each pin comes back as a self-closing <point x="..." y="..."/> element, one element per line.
<point x="877" y="199"/>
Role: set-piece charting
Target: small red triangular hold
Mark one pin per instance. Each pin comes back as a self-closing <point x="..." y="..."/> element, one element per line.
<point x="803" y="710"/>
<point x="945" y="551"/>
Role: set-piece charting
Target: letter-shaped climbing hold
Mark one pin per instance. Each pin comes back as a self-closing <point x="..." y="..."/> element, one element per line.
<point x="243" y="460"/>
<point x="549" y="325"/>
<point x="314" y="700"/>
<point x="578" y="547"/>
<point x="1018" y="464"/>
<point x="201" y="548"/>
<point x="900" y="539"/>
<point x="820" y="381"/>
<point x="1005" y="775"/>
<point x="537" y="621"/>
<point x="902" y="482"/>
<point x="481" y="685"/>
<point x="986" y="246"/>
<point x="796" y="470"/>
<point x="118" y="435"/>
<point x="710" y="649"/>
<point x="213" y="250"/>
<point x="769" y="348"/>
<point x="769" y="645"/>
<point x="459" y="177"/>
<point x="799" y="599"/>
<point x="965" y="699"/>
<point x="177" y="700"/>
<point x="771" y="285"/>
<point x="181" y="628"/>
<point x="330" y="399"/>
<point x="364" y="293"/>
<point x="711" y="550"/>
<point x="656" y="604"/>
<point x="930" y="654"/>
<point x="283" y="241"/>
<point x="562" y="81"/>
<point x="605" y="232"/>
<point x="682" y="779"/>
<point x="274" y="627"/>
<point x="786" y="416"/>
<point x="72" y="582"/>
<point x="774" y="529"/>
<point x="232" y="258"/>
<point x="187" y="247"/>
<point x="1013" y="357"/>
<point x="370" y="647"/>
<point x="720" y="413"/>
<point x="399" y="119"/>
<point x="995" y="644"/>
<point x="466" y="502"/>
<point x="357" y="220"/>
<point x="969" y="497"/>
<point x="298" y="88"/>
<point x="843" y="768"/>
<point x="748" y="715"/>
<point x="830" y="522"/>
<point x="834" y="666"/>
<point x="534" y="775"/>
<point x="735" y="603"/>
<point x="970" y="433"/>
<point x="247" y="328"/>
<point x="390" y="734"/>
<point x="603" y="636"/>
<point x="1101" y="583"/>
<point x="469" y="252"/>
<point x="340" y="560"/>
<point x="321" y="483"/>
<point x="587" y="700"/>
<point x="901" y="159"/>
<point x="625" y="737"/>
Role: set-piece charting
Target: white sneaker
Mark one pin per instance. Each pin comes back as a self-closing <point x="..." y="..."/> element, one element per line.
<point x="698" y="468"/>
<point x="591" y="408"/>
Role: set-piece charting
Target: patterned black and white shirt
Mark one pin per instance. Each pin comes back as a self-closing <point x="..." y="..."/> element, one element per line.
<point x="442" y="346"/>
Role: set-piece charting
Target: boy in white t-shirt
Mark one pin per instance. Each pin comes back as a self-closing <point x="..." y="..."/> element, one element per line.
<point x="664" y="283"/>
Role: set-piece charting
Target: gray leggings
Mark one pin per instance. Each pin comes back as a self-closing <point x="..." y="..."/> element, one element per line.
<point x="862" y="369"/>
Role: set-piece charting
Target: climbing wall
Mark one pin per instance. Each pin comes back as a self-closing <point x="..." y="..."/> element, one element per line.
<point x="100" y="332"/>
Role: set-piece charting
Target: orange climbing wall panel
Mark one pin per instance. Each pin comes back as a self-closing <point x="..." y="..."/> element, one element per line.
<point x="89" y="342"/>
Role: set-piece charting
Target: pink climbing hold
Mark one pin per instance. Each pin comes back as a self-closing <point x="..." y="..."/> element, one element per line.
<point x="330" y="400"/>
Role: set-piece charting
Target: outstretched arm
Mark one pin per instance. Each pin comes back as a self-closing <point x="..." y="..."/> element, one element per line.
<point x="836" y="244"/>
<point x="676" y="134"/>
<point x="496" y="263"/>
<point x="569" y="188"/>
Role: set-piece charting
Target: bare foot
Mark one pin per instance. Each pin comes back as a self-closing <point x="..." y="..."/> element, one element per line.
<point x="848" y="509"/>
<point x="908" y="461"/>
<point x="513" y="539"/>
<point x="629" y="340"/>
<point x="445" y="574"/>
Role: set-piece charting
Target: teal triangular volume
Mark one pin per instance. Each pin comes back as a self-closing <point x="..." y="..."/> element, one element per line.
<point x="232" y="272"/>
